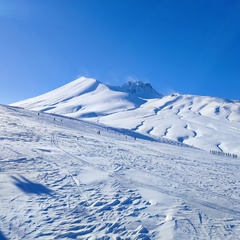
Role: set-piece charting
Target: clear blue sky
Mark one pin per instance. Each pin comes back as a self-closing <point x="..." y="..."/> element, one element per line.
<point x="184" y="46"/>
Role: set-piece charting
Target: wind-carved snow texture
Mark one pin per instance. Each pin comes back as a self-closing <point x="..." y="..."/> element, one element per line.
<point x="137" y="106"/>
<point x="59" y="179"/>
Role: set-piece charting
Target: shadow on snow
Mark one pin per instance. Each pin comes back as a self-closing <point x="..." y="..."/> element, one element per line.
<point x="29" y="187"/>
<point x="2" y="237"/>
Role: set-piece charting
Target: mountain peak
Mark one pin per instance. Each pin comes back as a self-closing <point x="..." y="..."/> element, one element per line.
<point x="137" y="106"/>
<point x="140" y="89"/>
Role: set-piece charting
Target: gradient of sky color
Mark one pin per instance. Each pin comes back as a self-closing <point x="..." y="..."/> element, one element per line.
<point x="191" y="47"/>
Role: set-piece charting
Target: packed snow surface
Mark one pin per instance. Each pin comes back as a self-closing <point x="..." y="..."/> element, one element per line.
<point x="208" y="123"/>
<point x="64" y="178"/>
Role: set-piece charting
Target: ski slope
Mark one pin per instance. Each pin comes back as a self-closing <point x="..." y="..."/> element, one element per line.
<point x="59" y="179"/>
<point x="208" y="123"/>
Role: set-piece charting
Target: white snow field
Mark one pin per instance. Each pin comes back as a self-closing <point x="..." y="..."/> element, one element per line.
<point x="208" y="123"/>
<point x="59" y="179"/>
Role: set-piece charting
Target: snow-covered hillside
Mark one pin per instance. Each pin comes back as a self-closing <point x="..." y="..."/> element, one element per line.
<point x="59" y="179"/>
<point x="205" y="122"/>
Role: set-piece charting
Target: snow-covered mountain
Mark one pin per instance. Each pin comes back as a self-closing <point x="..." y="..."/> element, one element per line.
<point x="59" y="179"/>
<point x="137" y="106"/>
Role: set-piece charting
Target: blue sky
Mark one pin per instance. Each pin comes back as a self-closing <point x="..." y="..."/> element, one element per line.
<point x="187" y="46"/>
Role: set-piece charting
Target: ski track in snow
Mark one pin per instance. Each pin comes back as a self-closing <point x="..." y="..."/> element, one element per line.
<point x="61" y="180"/>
